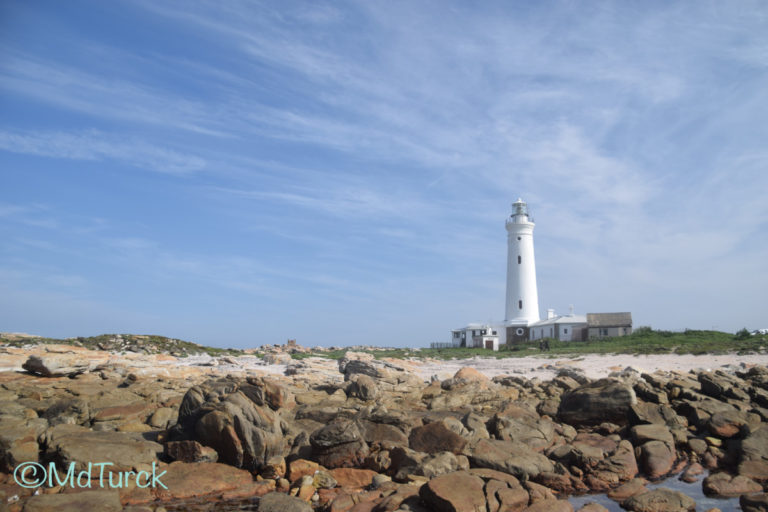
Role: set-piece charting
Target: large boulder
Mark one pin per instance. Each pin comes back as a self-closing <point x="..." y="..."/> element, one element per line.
<point x="454" y="492"/>
<point x="57" y="365"/>
<point x="605" y="400"/>
<point x="339" y="444"/>
<point x="66" y="444"/>
<point x="435" y="437"/>
<point x="239" y="419"/>
<point x="510" y="457"/>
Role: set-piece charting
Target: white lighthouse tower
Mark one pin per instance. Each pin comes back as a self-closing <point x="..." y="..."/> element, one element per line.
<point x="522" y="294"/>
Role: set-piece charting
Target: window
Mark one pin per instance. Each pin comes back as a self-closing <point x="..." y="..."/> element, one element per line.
<point x="565" y="331"/>
<point x="456" y="335"/>
<point x="520" y="304"/>
<point x="519" y="238"/>
<point x="519" y="259"/>
<point x="494" y="333"/>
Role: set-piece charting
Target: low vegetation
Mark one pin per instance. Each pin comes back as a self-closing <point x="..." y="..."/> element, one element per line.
<point x="144" y="344"/>
<point x="643" y="340"/>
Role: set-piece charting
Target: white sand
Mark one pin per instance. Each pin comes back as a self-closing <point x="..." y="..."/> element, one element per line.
<point x="594" y="365"/>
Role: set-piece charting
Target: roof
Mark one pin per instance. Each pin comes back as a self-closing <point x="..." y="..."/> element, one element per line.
<point x="562" y="319"/>
<point x="609" y="319"/>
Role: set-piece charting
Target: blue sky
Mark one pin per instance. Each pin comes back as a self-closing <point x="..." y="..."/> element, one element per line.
<point x="240" y="173"/>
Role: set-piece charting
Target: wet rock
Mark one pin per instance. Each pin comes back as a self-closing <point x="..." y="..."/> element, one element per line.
<point x="594" y="403"/>
<point x="102" y="500"/>
<point x="656" y="458"/>
<point x="625" y="491"/>
<point x="455" y="492"/>
<point x="660" y="500"/>
<point x="723" y="485"/>
<point x="757" y="502"/>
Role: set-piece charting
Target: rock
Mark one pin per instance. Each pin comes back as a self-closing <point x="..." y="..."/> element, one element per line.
<point x="18" y="440"/>
<point x="277" y="358"/>
<point x="550" y="506"/>
<point x="692" y="473"/>
<point x="469" y="375"/>
<point x="435" y="437"/>
<point x="625" y="491"/>
<point x="352" y="477"/>
<point x="102" y="500"/>
<point x="454" y="492"/>
<point x="536" y="433"/>
<point x="72" y="411"/>
<point x="72" y="443"/>
<point x="235" y="419"/>
<point x="593" y="507"/>
<point x="754" y="502"/>
<point x="323" y="480"/>
<point x="656" y="458"/>
<point x="363" y="387"/>
<point x="189" y="480"/>
<point x="300" y="467"/>
<point x="597" y="402"/>
<point x="510" y="457"/>
<point x="163" y="417"/>
<point x="57" y="365"/>
<point x="190" y="451"/>
<point x="728" y="424"/>
<point x="339" y="444"/>
<point x="723" y="485"/>
<point x="279" y="502"/>
<point x="660" y="500"/>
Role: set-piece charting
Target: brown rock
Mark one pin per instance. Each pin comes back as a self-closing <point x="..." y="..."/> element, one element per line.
<point x="435" y="437"/>
<point x="279" y="502"/>
<point x="550" y="506"/>
<point x="188" y="480"/>
<point x="723" y="484"/>
<point x="660" y="500"/>
<point x="597" y="402"/>
<point x="454" y="492"/>
<point x="656" y="458"/>
<point x="629" y="489"/>
<point x="754" y="502"/>
<point x="509" y="457"/>
<point x="190" y="451"/>
<point x="351" y="477"/>
<point x="302" y="467"/>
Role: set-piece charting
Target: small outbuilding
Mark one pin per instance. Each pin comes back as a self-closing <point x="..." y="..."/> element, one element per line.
<point x="607" y="325"/>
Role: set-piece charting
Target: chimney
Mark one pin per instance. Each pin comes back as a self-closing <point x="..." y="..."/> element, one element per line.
<point x="550" y="314"/>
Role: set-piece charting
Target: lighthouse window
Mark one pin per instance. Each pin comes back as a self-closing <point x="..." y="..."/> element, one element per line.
<point x="520" y="304"/>
<point x="519" y="260"/>
<point x="519" y="238"/>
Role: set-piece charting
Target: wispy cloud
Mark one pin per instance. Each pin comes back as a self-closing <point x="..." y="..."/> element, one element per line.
<point x="93" y="145"/>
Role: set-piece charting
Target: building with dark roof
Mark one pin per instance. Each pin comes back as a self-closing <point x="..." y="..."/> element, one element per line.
<point x="605" y="325"/>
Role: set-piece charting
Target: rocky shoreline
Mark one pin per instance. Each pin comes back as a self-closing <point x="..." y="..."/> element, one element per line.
<point x="363" y="434"/>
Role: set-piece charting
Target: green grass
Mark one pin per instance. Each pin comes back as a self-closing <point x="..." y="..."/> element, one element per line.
<point x="643" y="341"/>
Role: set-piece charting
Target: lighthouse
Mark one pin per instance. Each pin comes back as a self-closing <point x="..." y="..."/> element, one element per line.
<point x="522" y="294"/>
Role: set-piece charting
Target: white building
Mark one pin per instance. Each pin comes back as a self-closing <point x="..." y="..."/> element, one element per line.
<point x="568" y="327"/>
<point x="476" y="336"/>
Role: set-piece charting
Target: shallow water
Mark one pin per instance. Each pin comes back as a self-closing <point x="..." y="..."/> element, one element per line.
<point x="694" y="490"/>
